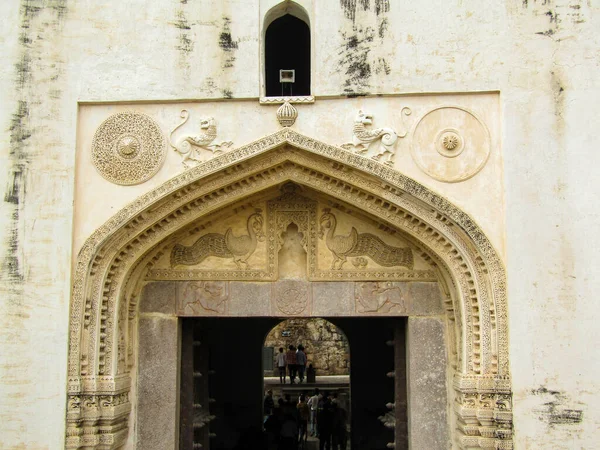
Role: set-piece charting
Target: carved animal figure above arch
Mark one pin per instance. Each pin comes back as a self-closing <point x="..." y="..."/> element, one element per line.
<point x="361" y="244"/>
<point x="237" y="248"/>
<point x="363" y="138"/>
<point x="188" y="146"/>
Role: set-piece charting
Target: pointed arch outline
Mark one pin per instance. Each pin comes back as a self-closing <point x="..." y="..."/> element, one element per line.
<point x="109" y="258"/>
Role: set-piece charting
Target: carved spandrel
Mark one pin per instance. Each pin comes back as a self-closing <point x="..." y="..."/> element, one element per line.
<point x="128" y="148"/>
<point x="450" y="144"/>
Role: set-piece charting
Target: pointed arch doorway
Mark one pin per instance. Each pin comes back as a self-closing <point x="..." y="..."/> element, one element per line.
<point x="125" y="337"/>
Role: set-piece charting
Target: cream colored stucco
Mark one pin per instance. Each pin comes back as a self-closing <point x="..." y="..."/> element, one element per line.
<point x="528" y="69"/>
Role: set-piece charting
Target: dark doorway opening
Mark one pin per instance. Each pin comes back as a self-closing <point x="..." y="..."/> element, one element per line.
<point x="287" y="46"/>
<point x="221" y="394"/>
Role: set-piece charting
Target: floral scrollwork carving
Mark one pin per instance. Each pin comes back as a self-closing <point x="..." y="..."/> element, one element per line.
<point x="128" y="148"/>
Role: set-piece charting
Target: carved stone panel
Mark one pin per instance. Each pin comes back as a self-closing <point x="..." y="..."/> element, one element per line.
<point x="381" y="297"/>
<point x="354" y="249"/>
<point x="233" y="249"/>
<point x="203" y="298"/>
<point x="450" y="144"/>
<point x="291" y="298"/>
<point x="328" y="245"/>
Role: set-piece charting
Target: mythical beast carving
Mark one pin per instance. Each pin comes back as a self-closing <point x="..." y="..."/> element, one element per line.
<point x="229" y="246"/>
<point x="363" y="138"/>
<point x="361" y="244"/>
<point x="188" y="146"/>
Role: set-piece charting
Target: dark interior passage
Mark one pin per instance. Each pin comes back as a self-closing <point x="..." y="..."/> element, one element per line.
<point x="287" y="46"/>
<point x="222" y="381"/>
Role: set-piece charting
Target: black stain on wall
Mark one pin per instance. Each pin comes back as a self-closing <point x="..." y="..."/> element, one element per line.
<point x="31" y="61"/>
<point x="354" y="60"/>
<point x="382" y="6"/>
<point x="358" y="52"/>
<point x="227" y="43"/>
<point x="350" y="7"/>
<point x="186" y="44"/>
<point x="554" y="412"/>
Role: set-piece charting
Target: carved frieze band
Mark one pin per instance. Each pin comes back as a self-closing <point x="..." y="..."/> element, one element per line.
<point x="297" y="298"/>
<point x="367" y="255"/>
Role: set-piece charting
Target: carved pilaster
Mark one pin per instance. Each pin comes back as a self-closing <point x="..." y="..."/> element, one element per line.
<point x="484" y="411"/>
<point x="98" y="419"/>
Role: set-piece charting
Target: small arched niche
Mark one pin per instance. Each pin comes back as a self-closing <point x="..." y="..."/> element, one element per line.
<point x="287" y="46"/>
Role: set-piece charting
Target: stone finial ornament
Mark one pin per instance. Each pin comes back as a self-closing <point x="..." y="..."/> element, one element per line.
<point x="287" y="114"/>
<point x="189" y="146"/>
<point x="128" y="148"/>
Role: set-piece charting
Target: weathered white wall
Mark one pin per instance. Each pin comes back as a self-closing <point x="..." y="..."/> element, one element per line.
<point x="542" y="56"/>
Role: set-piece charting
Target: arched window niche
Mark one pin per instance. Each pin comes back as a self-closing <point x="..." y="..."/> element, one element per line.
<point x="286" y="45"/>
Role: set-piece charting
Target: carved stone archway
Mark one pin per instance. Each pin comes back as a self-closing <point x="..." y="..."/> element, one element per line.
<point x="111" y="266"/>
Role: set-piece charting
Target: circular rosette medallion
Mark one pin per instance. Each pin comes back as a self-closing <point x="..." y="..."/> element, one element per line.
<point x="128" y="148"/>
<point x="450" y="144"/>
<point x="292" y="298"/>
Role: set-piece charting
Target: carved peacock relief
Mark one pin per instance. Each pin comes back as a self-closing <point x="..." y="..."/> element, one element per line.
<point x="228" y="246"/>
<point x="358" y="244"/>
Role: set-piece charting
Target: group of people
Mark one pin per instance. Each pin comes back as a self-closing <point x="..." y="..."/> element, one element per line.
<point x="287" y="423"/>
<point x="295" y="362"/>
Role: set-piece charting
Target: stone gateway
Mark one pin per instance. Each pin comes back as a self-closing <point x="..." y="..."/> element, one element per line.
<point x="182" y="177"/>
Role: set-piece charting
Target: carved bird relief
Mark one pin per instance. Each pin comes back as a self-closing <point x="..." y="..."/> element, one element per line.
<point x="228" y="246"/>
<point x="361" y="244"/>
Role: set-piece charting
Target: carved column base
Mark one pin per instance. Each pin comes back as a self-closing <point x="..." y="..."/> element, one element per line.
<point x="484" y="411"/>
<point x="97" y="419"/>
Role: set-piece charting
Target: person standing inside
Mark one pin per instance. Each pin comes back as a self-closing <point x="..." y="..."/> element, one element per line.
<point x="290" y="359"/>
<point x="268" y="403"/>
<point x="339" y="431"/>
<point x="300" y="362"/>
<point x="313" y="404"/>
<point x="281" y="365"/>
<point x="325" y="422"/>
<point x="303" y="415"/>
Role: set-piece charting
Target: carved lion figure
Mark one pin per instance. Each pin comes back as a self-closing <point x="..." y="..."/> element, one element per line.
<point x="188" y="146"/>
<point x="363" y="138"/>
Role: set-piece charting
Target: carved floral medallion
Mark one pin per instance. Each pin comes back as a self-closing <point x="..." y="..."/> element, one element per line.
<point x="450" y="144"/>
<point x="128" y="148"/>
<point x="291" y="297"/>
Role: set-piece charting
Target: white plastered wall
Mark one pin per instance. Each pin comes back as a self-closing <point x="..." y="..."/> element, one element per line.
<point x="542" y="56"/>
